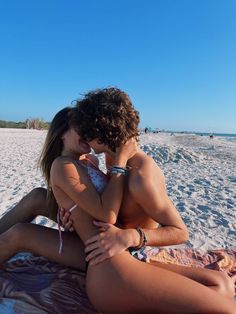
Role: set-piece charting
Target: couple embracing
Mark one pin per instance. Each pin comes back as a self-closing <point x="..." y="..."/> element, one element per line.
<point x="113" y="215"/>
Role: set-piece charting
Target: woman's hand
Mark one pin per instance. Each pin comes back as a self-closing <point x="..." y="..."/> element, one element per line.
<point x="126" y="151"/>
<point x="66" y="222"/>
<point x="109" y="242"/>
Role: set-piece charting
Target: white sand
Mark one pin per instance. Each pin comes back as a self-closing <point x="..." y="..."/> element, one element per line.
<point x="200" y="176"/>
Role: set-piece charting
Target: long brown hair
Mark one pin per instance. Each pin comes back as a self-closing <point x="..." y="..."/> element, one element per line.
<point x="52" y="148"/>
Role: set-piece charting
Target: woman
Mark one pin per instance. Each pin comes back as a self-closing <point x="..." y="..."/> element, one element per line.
<point x="120" y="284"/>
<point x="60" y="136"/>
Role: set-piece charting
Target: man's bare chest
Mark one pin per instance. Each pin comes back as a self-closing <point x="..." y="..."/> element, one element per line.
<point x="130" y="211"/>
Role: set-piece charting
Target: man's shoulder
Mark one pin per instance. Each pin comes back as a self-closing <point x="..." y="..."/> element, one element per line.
<point x="146" y="167"/>
<point x="146" y="174"/>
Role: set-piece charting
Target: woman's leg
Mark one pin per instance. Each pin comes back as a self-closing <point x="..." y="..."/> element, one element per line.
<point x="123" y="284"/>
<point x="30" y="206"/>
<point x="213" y="279"/>
<point x="44" y="241"/>
<point x="126" y="285"/>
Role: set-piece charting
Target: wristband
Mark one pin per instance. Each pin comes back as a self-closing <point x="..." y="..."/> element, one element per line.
<point x="143" y="238"/>
<point x="117" y="169"/>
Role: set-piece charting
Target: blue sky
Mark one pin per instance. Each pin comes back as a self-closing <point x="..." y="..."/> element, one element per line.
<point x="175" y="58"/>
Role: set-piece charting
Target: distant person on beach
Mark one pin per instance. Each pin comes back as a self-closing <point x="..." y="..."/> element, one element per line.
<point x="139" y="277"/>
<point x="27" y="124"/>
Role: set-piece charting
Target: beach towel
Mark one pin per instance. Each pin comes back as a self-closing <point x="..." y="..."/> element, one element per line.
<point x="32" y="284"/>
<point x="222" y="259"/>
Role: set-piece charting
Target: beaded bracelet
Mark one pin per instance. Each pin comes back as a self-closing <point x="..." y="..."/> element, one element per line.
<point x="118" y="169"/>
<point x="143" y="238"/>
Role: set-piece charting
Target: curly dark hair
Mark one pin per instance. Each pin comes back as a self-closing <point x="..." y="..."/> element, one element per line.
<point x="107" y="115"/>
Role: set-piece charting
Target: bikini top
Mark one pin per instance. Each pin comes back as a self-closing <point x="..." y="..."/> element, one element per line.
<point x="98" y="179"/>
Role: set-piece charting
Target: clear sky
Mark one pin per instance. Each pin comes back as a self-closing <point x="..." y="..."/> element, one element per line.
<point x="175" y="58"/>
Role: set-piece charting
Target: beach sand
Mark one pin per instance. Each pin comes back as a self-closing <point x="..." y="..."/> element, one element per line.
<point x="200" y="178"/>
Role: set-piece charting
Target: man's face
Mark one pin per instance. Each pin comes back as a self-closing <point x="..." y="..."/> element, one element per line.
<point x="99" y="148"/>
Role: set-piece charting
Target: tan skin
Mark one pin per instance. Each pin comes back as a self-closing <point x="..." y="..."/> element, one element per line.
<point x="107" y="204"/>
<point x="137" y="287"/>
<point x="145" y="203"/>
<point x="142" y="185"/>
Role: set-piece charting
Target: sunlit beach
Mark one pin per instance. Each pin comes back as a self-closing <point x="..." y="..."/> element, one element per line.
<point x="118" y="157"/>
<point x="200" y="177"/>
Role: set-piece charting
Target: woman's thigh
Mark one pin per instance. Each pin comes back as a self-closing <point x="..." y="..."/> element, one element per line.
<point x="125" y="285"/>
<point x="213" y="279"/>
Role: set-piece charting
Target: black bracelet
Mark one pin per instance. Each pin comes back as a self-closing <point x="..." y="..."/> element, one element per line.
<point x="143" y="238"/>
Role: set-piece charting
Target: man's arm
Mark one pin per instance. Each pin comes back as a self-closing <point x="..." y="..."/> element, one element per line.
<point x="149" y="191"/>
<point x="147" y="187"/>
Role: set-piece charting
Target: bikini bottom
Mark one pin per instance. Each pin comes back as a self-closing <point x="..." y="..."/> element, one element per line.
<point x="139" y="254"/>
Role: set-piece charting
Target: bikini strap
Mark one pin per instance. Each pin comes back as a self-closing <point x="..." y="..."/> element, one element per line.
<point x="59" y="230"/>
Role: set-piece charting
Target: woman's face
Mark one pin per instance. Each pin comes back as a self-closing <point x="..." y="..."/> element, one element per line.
<point x="73" y="142"/>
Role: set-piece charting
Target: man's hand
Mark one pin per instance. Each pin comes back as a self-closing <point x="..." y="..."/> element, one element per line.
<point x="109" y="242"/>
<point x="67" y="224"/>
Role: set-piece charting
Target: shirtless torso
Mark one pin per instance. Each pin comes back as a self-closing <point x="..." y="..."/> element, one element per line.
<point x="146" y="203"/>
<point x="127" y="285"/>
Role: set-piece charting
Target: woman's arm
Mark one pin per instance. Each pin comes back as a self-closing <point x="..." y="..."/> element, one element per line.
<point x="67" y="178"/>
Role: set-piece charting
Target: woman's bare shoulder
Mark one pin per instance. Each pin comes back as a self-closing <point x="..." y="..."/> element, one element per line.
<point x="60" y="160"/>
<point x="61" y="163"/>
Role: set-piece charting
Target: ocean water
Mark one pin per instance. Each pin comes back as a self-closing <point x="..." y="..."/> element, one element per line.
<point x="225" y="136"/>
<point x="230" y="138"/>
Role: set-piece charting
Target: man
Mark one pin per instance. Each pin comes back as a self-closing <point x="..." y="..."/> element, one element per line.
<point x="106" y="119"/>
